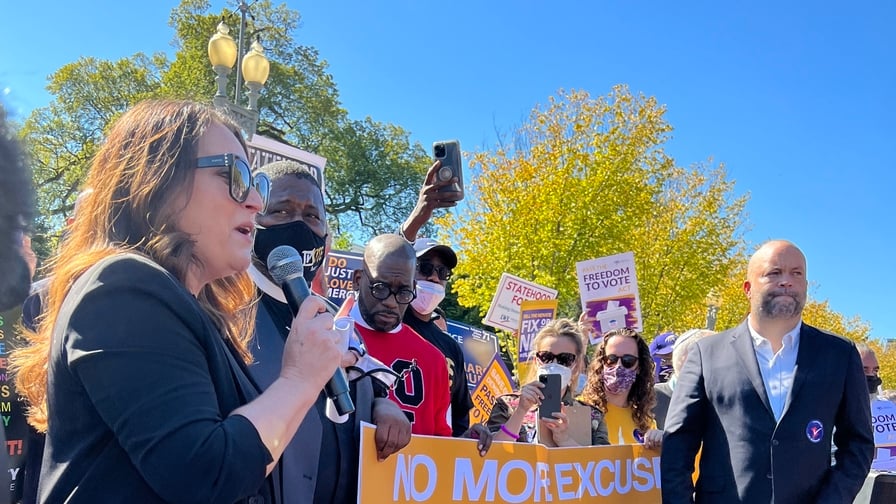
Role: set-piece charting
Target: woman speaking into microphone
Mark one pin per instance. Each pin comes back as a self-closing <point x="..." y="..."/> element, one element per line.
<point x="138" y="369"/>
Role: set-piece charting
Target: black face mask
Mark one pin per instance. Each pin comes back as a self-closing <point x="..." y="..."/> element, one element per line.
<point x="297" y="235"/>
<point x="873" y="383"/>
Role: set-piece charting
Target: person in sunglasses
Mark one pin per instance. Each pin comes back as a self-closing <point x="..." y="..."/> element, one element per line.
<point x="138" y="369"/>
<point x="620" y="383"/>
<point x="434" y="264"/>
<point x="559" y="348"/>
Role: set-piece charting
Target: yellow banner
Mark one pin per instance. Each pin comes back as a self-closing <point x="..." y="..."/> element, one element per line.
<point x="447" y="470"/>
<point x="495" y="382"/>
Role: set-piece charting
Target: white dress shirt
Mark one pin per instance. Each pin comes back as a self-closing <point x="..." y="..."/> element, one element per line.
<point x="777" y="369"/>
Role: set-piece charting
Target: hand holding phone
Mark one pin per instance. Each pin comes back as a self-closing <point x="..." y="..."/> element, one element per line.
<point x="447" y="152"/>
<point x="551" y="402"/>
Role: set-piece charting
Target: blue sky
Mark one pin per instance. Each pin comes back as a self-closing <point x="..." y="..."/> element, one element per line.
<point x="795" y="100"/>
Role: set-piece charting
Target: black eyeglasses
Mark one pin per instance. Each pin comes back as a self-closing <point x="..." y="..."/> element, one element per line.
<point x="628" y="360"/>
<point x="426" y="268"/>
<point x="241" y="179"/>
<point x="382" y="291"/>
<point x="565" y="359"/>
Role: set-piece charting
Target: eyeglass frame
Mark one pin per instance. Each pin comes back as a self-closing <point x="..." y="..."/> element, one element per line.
<point x="547" y="357"/>
<point x="614" y="360"/>
<point x="258" y="181"/>
<point x="439" y="270"/>
<point x="372" y="285"/>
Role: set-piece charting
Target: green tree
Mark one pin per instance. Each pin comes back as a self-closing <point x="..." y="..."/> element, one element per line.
<point x="587" y="177"/>
<point x="373" y="169"/>
<point x="63" y="136"/>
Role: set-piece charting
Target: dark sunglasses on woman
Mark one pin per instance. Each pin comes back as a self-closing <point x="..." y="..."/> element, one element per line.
<point x="628" y="360"/>
<point x="426" y="269"/>
<point x="241" y="179"/>
<point x="565" y="359"/>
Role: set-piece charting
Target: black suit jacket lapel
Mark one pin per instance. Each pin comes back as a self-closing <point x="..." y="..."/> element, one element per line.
<point x="742" y="343"/>
<point x="806" y="357"/>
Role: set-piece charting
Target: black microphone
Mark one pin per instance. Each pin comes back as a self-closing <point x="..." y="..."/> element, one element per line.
<point x="286" y="267"/>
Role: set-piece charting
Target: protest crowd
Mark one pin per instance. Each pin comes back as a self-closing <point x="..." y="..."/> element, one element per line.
<point x="175" y="354"/>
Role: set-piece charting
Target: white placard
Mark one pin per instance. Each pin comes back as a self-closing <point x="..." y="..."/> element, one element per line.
<point x="504" y="312"/>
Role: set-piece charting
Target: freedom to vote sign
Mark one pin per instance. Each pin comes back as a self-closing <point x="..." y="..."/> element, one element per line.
<point x="442" y="470"/>
<point x="608" y="287"/>
<point x="883" y="423"/>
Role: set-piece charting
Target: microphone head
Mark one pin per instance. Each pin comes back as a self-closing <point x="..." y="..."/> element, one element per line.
<point x="284" y="262"/>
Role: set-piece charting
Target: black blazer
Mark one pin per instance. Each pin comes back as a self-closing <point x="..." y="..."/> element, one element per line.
<point x="141" y="386"/>
<point x="663" y="393"/>
<point x="720" y="401"/>
<point x="298" y="469"/>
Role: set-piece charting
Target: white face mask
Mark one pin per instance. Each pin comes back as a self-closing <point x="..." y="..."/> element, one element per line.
<point x="554" y="368"/>
<point x="429" y="295"/>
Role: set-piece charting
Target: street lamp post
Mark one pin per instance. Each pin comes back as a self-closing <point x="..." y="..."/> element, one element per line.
<point x="712" y="310"/>
<point x="254" y="67"/>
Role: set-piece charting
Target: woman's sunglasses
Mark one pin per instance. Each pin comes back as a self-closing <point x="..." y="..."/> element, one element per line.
<point x="426" y="269"/>
<point x="565" y="359"/>
<point x="241" y="179"/>
<point x="628" y="360"/>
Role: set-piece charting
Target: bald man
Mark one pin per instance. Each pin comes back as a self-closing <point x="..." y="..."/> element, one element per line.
<point x="765" y="398"/>
<point x="384" y="287"/>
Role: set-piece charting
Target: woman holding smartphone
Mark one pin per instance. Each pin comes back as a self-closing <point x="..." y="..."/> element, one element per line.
<point x="137" y="371"/>
<point x="559" y="349"/>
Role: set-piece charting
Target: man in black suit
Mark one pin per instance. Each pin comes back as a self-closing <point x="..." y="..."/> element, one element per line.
<point x="765" y="399"/>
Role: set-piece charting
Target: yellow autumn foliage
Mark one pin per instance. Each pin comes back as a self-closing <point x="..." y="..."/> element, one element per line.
<point x="588" y="177"/>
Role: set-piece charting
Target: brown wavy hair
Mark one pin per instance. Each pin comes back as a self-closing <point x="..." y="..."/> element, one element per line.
<point x="641" y="397"/>
<point x="141" y="178"/>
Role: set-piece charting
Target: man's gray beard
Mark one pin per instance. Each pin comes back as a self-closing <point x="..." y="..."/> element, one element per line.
<point x="772" y="310"/>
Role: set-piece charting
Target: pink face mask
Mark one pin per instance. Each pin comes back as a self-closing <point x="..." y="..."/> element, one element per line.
<point x="618" y="379"/>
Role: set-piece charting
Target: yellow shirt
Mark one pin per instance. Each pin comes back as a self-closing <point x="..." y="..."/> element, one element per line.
<point x="621" y="426"/>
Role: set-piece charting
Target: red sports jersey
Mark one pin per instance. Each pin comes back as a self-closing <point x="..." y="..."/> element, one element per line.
<point x="424" y="393"/>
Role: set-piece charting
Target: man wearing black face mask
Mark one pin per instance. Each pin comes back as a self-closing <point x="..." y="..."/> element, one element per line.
<point x="321" y="462"/>
<point x="871" y="368"/>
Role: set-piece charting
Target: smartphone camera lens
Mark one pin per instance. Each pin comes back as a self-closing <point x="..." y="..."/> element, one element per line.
<point x="439" y="150"/>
